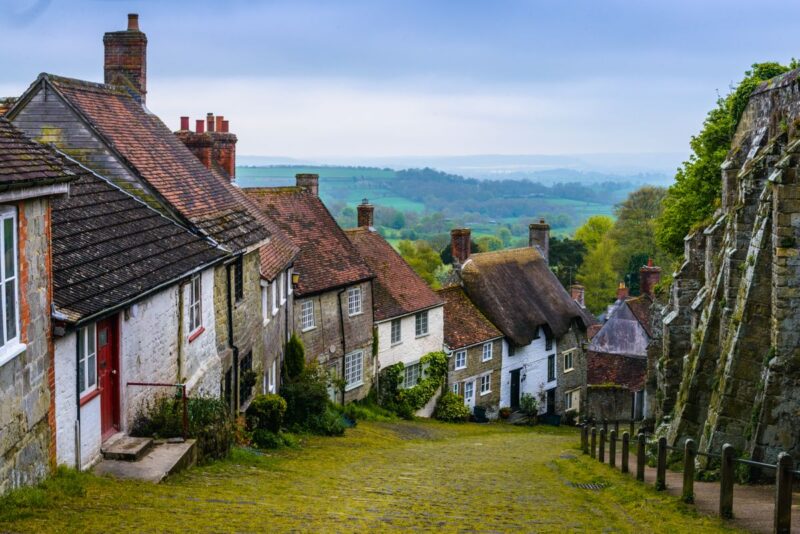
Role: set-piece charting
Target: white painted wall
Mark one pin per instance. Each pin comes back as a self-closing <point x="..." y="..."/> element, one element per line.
<point x="202" y="368"/>
<point x="532" y="359"/>
<point x="411" y="348"/>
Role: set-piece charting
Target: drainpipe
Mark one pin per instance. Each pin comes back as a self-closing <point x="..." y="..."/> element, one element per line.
<point x="78" y="440"/>
<point x="344" y="343"/>
<point x="286" y="330"/>
<point x="231" y="345"/>
<point x="181" y="288"/>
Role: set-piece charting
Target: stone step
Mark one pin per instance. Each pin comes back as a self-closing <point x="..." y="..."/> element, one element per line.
<point x="161" y="460"/>
<point x="126" y="448"/>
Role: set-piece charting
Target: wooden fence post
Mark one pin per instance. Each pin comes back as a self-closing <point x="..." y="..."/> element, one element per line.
<point x="601" y="455"/>
<point x="585" y="438"/>
<point x="594" y="442"/>
<point x="605" y="425"/>
<point x="640" y="457"/>
<point x="661" y="467"/>
<point x="783" y="494"/>
<point x="631" y="430"/>
<point x="616" y="426"/>
<point x="689" y="454"/>
<point x="626" y="438"/>
<point x="612" y="449"/>
<point x="726" y="483"/>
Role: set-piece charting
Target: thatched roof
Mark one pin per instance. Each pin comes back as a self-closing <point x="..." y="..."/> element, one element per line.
<point x="517" y="292"/>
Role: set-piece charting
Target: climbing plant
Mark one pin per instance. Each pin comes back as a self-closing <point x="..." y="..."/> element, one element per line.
<point x="405" y="401"/>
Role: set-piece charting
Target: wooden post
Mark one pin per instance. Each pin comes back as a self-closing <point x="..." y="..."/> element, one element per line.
<point x="661" y="467"/>
<point x="626" y="438"/>
<point x="726" y="483"/>
<point x="783" y="494"/>
<point x="631" y="430"/>
<point x="594" y="442"/>
<point x="689" y="454"/>
<point x="601" y="456"/>
<point x="640" y="457"/>
<point x="612" y="449"/>
<point x="585" y="438"/>
<point x="605" y="425"/>
<point x="616" y="426"/>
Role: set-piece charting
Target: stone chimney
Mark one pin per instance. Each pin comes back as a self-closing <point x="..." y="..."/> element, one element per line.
<point x="460" y="244"/>
<point x="539" y="237"/>
<point x="215" y="148"/>
<point x="126" y="58"/>
<point x="577" y="291"/>
<point x="649" y="276"/>
<point x="622" y="291"/>
<point x="308" y="181"/>
<point x="366" y="212"/>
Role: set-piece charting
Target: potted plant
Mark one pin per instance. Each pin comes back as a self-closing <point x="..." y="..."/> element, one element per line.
<point x="505" y="412"/>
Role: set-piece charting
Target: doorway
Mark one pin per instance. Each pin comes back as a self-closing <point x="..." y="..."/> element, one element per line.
<point x="108" y="376"/>
<point x="515" y="385"/>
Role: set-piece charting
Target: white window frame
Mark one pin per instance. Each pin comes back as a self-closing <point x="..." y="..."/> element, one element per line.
<point x="469" y="391"/>
<point x="354" y="301"/>
<point x="399" y="338"/>
<point x="274" y="291"/>
<point x="307" y="318"/>
<point x="412" y="373"/>
<point x="460" y="353"/>
<point x="195" y="303"/>
<point x="283" y="287"/>
<point x="573" y="404"/>
<point x="289" y="285"/>
<point x="265" y="311"/>
<point x="487" y="353"/>
<point x="353" y="370"/>
<point x="569" y="356"/>
<point x="420" y="320"/>
<point x="87" y="360"/>
<point x="272" y="376"/>
<point x="487" y="381"/>
<point x="455" y="388"/>
<point x="10" y="347"/>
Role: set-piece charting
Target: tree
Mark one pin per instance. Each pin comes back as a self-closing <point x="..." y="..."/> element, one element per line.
<point x="294" y="361"/>
<point x="598" y="277"/>
<point x="566" y="257"/>
<point x="489" y="243"/>
<point x="422" y="258"/>
<point x="591" y="233"/>
<point x="695" y="195"/>
<point x="634" y="232"/>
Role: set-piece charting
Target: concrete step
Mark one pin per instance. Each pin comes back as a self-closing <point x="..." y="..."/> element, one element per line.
<point x="126" y="448"/>
<point x="162" y="460"/>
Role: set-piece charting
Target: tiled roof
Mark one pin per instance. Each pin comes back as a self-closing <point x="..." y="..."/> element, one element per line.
<point x="153" y="151"/>
<point x="397" y="289"/>
<point x="464" y="324"/>
<point x="109" y="248"/>
<point x="327" y="259"/>
<point x="614" y="369"/>
<point x="516" y="290"/>
<point x="25" y="163"/>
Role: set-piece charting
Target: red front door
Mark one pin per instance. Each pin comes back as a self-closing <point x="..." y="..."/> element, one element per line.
<point x="108" y="375"/>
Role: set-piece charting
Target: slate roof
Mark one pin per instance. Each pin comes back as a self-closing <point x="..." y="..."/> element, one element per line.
<point x="464" y="324"/>
<point x="26" y="163"/>
<point x="109" y="248"/>
<point x="162" y="161"/>
<point x="622" y="334"/>
<point x="518" y="293"/>
<point x="327" y="259"/>
<point x="640" y="307"/>
<point x="397" y="290"/>
<point x="614" y="369"/>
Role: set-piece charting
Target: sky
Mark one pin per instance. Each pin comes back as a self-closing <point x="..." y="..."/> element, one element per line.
<point x="331" y="80"/>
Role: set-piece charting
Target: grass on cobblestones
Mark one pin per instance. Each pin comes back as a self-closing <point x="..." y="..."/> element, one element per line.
<point x="380" y="476"/>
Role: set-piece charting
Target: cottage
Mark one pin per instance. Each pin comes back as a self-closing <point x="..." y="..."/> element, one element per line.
<point x="31" y="176"/>
<point x="540" y="322"/>
<point x="475" y="349"/>
<point x="408" y="314"/>
<point x="333" y="309"/>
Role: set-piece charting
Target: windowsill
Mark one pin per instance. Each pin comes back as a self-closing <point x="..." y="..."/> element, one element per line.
<point x="309" y="329"/>
<point x="267" y="320"/>
<point x="283" y="301"/>
<point x="485" y="392"/>
<point x="426" y="334"/>
<point x="351" y="387"/>
<point x="87" y="398"/>
<point x="194" y="335"/>
<point x="571" y="410"/>
<point x="486" y="360"/>
<point x="355" y="314"/>
<point x="9" y="353"/>
<point x="396" y="343"/>
<point x="460" y="368"/>
<point x="569" y="370"/>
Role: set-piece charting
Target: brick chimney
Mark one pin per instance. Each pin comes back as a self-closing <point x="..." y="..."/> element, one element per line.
<point x="539" y="237"/>
<point x="460" y="244"/>
<point x="308" y="181"/>
<point x="577" y="292"/>
<point x="649" y="276"/>
<point x="365" y="214"/>
<point x="622" y="291"/>
<point x="126" y="58"/>
<point x="215" y="148"/>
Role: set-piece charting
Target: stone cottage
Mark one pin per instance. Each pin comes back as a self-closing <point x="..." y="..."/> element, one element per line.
<point x="475" y="348"/>
<point x="32" y="176"/>
<point x="408" y="314"/>
<point x="333" y="309"/>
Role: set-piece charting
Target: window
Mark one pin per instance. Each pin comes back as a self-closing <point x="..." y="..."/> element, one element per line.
<point x="512" y="349"/>
<point x="461" y="359"/>
<point x="486" y="384"/>
<point x="247" y="378"/>
<point x="265" y="311"/>
<point x="283" y="288"/>
<point x="354" y="301"/>
<point x="307" y="315"/>
<point x="289" y="285"/>
<point x="274" y="290"/>
<point x="421" y="324"/>
<point x="551" y="367"/>
<point x="272" y="376"/>
<point x="9" y="314"/>
<point x="469" y="389"/>
<point x="353" y="369"/>
<point x="195" y="303"/>
<point x="238" y="275"/>
<point x="87" y="360"/>
<point x="572" y="400"/>
<point x="455" y="388"/>
<point x="397" y="331"/>
<point x="487" y="352"/>
<point x="412" y="375"/>
<point x="568" y="364"/>
<point x="548" y="340"/>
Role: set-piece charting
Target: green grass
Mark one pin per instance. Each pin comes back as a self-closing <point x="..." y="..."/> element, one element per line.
<point x="380" y="476"/>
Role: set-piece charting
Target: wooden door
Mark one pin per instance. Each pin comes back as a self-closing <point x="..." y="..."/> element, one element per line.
<point x="551" y="401"/>
<point x="515" y="389"/>
<point x="108" y="376"/>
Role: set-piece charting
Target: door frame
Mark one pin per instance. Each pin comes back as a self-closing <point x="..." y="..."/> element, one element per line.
<point x="512" y="372"/>
<point x="111" y="395"/>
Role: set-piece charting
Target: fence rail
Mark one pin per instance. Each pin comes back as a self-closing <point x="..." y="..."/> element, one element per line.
<point x="785" y="471"/>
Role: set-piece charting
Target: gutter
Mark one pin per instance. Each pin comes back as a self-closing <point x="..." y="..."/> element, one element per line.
<point x="344" y="342"/>
<point x="231" y="345"/>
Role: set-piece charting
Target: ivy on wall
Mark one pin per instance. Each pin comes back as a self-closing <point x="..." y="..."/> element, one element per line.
<point x="405" y="401"/>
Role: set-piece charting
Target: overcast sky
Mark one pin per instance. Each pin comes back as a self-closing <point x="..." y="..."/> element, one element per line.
<point x="311" y="79"/>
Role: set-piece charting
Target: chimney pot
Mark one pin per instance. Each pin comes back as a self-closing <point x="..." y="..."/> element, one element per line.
<point x="210" y="122"/>
<point x="200" y="126"/>
<point x="649" y="276"/>
<point x="539" y="237"/>
<point x="309" y="182"/>
<point x="225" y="126"/>
<point x="622" y="291"/>
<point x="461" y="245"/>
<point x="133" y="22"/>
<point x="578" y="291"/>
<point x="184" y="123"/>
<point x="218" y="124"/>
<point x="365" y="214"/>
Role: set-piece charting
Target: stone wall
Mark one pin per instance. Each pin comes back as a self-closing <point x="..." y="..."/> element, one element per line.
<point x="278" y="326"/>
<point x="611" y="403"/>
<point x="476" y="368"/>
<point x="568" y="380"/>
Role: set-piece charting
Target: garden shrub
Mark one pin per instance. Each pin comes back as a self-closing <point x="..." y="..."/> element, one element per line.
<point x="451" y="408"/>
<point x="295" y="359"/>
<point x="307" y="406"/>
<point x="365" y="410"/>
<point x="529" y="405"/>
<point x="405" y="401"/>
<point x="327" y="423"/>
<point x="266" y="412"/>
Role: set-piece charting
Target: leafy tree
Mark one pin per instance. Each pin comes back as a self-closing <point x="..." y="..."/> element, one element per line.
<point x="504" y="235"/>
<point x="695" y="195"/>
<point x="598" y="277"/>
<point x="634" y="231"/>
<point x="592" y="232"/>
<point x="422" y="258"/>
<point x="295" y="358"/>
<point x="489" y="243"/>
<point x="447" y="253"/>
<point x="566" y="257"/>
